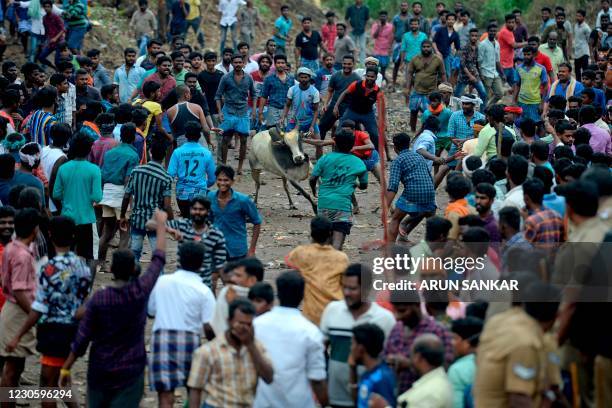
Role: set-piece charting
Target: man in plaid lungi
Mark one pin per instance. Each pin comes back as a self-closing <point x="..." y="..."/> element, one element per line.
<point x="183" y="307"/>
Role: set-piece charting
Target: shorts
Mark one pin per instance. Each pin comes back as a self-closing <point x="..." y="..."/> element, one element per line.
<point x="170" y="359"/>
<point x="371" y="161"/>
<point x="413" y="209"/>
<point x="272" y="116"/>
<point x="111" y="212"/>
<point x="85" y="241"/>
<point x="530" y="111"/>
<point x="383" y="60"/>
<point x="418" y="102"/>
<point x="443" y="143"/>
<point x="510" y="74"/>
<point x="397" y="51"/>
<point x="238" y="124"/>
<point x="75" y="37"/>
<point x="52" y="361"/>
<point x="342" y="221"/>
<point x="12" y="317"/>
<point x="303" y="127"/>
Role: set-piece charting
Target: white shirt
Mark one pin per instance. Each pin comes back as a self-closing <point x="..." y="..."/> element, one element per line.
<point x="295" y="346"/>
<point x="69" y="104"/>
<point x="251" y="66"/>
<point x="37" y="22"/>
<point x="228" y="10"/>
<point x="181" y="301"/>
<point x="362" y="72"/>
<point x="48" y="157"/>
<point x="601" y="13"/>
<point x="582" y="33"/>
<point x="221" y="313"/>
<point x="221" y="68"/>
<point x="514" y="198"/>
<point x="337" y="323"/>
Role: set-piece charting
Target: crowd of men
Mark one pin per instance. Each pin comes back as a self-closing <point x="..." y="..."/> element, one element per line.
<point x="513" y="123"/>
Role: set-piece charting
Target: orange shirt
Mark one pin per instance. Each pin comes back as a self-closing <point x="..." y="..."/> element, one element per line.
<point x="454" y="211"/>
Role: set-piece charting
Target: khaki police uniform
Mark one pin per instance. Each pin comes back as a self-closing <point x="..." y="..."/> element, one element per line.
<point x="511" y="358"/>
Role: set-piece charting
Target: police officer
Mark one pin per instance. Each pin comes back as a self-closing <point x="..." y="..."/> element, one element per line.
<point x="515" y="367"/>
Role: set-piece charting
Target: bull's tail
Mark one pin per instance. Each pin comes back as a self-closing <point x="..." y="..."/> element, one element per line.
<point x="305" y="194"/>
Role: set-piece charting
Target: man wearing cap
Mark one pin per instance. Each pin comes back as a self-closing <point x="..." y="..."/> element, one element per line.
<point x="370" y="62"/>
<point x="423" y="71"/>
<point x="460" y="128"/>
<point x="302" y="106"/>
<point x="532" y="84"/>
<point x="364" y="95"/>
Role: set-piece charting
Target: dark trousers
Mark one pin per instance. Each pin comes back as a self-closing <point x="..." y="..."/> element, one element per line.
<point x="184" y="207"/>
<point x="129" y="396"/>
<point x="580" y="65"/>
<point x="328" y="120"/>
<point x="84" y="241"/>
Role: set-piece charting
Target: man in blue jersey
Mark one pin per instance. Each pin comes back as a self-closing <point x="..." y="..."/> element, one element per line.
<point x="193" y="166"/>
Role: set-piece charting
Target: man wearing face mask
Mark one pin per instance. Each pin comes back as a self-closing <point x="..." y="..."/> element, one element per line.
<point x="564" y="36"/>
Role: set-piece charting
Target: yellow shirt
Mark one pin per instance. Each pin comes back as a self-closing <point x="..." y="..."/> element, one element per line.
<point x="194" y="9"/>
<point x="322" y="267"/>
<point x="153" y="108"/>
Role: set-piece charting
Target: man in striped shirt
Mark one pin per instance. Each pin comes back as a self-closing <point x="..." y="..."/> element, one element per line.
<point x="76" y="20"/>
<point x="199" y="229"/>
<point x="543" y="227"/>
<point x="40" y="121"/>
<point x="150" y="185"/>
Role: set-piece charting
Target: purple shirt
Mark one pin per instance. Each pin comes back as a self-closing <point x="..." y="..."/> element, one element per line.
<point x="600" y="139"/>
<point x="399" y="342"/>
<point x="114" y="323"/>
<point x="492" y="229"/>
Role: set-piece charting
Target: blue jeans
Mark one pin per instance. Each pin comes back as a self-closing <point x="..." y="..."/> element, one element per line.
<point x="195" y="25"/>
<point x="368" y="120"/>
<point x="35" y="41"/>
<point x="75" y="37"/>
<point x="143" y="41"/>
<point x="137" y="236"/>
<point x="224" y="29"/>
<point x="312" y="65"/>
<point x="479" y="88"/>
<point x="360" y="42"/>
<point x="510" y="74"/>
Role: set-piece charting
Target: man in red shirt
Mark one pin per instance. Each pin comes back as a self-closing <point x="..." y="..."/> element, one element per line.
<point x="7" y="227"/>
<point x="507" y="45"/>
<point x="162" y="76"/>
<point x="19" y="287"/>
<point x="328" y="32"/>
<point x="265" y="63"/>
<point x="542" y="58"/>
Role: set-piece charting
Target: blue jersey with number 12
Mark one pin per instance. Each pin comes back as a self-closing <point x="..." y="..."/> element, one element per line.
<point x="194" y="168"/>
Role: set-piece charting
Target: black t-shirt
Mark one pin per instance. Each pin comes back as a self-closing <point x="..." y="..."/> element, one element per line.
<point x="339" y="82"/>
<point x="198" y="98"/>
<point x="309" y="46"/>
<point x="209" y="82"/>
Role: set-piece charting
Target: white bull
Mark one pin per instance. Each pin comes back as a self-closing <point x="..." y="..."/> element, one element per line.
<point x="282" y="154"/>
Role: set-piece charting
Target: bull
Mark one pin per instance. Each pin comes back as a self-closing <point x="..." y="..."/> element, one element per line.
<point x="280" y="153"/>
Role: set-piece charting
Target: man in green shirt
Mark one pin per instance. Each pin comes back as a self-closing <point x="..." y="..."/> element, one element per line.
<point x="487" y="143"/>
<point x="76" y="20"/>
<point x="78" y="186"/>
<point x="338" y="172"/>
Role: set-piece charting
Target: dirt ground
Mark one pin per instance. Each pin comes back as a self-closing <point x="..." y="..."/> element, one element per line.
<point x="282" y="230"/>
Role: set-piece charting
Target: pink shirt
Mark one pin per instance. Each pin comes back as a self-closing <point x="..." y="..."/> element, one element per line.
<point x="382" y="44"/>
<point x="99" y="149"/>
<point x="18" y="271"/>
<point x="328" y="32"/>
<point x="506" y="47"/>
<point x="600" y="139"/>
